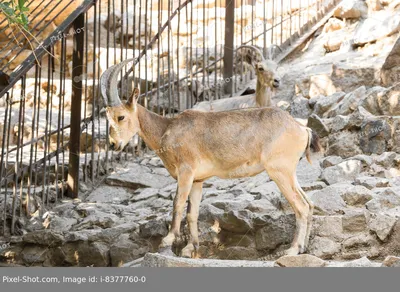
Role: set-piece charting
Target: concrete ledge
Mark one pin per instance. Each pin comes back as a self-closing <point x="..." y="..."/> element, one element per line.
<point x="159" y="260"/>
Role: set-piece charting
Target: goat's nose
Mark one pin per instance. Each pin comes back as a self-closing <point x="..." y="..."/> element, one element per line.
<point x="112" y="146"/>
<point x="276" y="83"/>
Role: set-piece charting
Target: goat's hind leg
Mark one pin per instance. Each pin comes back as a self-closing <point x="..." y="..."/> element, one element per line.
<point x="284" y="179"/>
<point x="191" y="249"/>
<point x="311" y="212"/>
<point x="185" y="181"/>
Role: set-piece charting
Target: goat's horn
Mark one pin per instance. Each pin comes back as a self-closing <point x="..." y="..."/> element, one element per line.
<point x="109" y="84"/>
<point x="257" y="50"/>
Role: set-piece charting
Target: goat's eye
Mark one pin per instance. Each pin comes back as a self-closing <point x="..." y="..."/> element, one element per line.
<point x="260" y="69"/>
<point x="121" y="118"/>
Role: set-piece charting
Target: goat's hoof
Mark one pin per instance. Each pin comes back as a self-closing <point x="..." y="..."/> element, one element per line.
<point x="189" y="251"/>
<point x="167" y="241"/>
<point x="292" y="251"/>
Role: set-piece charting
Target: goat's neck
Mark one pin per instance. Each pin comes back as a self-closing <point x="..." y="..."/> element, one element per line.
<point x="263" y="95"/>
<point x="152" y="127"/>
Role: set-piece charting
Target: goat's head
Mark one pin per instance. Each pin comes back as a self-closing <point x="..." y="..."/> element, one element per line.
<point x="123" y="117"/>
<point x="266" y="69"/>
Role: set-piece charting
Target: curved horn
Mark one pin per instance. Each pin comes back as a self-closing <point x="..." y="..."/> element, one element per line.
<point x="109" y="84"/>
<point x="257" y="50"/>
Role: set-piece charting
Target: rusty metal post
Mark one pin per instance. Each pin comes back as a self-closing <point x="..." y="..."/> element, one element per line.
<point x="228" y="48"/>
<point x="77" y="76"/>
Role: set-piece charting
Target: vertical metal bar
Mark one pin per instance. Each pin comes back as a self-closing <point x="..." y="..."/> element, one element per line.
<point x="228" y="49"/>
<point x="77" y="62"/>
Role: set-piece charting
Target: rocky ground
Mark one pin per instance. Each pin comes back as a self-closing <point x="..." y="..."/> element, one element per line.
<point x="347" y="93"/>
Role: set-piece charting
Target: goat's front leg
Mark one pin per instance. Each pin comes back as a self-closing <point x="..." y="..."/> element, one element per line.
<point x="190" y="250"/>
<point x="185" y="182"/>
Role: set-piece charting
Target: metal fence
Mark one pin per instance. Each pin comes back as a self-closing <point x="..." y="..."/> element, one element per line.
<point x="53" y="132"/>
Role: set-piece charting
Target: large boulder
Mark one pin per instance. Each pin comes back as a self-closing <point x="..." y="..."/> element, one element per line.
<point x="351" y="9"/>
<point x="344" y="171"/>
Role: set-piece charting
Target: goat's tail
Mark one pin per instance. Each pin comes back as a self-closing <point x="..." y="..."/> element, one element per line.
<point x="313" y="144"/>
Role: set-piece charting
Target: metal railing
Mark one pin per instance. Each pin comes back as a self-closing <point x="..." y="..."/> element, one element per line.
<point x="53" y="133"/>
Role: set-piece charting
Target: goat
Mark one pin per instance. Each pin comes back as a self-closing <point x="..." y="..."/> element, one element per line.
<point x="228" y="144"/>
<point x="267" y="81"/>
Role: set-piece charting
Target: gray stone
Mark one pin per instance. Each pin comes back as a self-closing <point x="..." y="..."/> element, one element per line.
<point x="348" y="104"/>
<point x="154" y="228"/>
<point x="357" y="196"/>
<point x="372" y="182"/>
<point x="344" y="171"/>
<point x="384" y="23"/>
<point x="303" y="260"/>
<point x="385" y="199"/>
<point x="47" y="238"/>
<point x="351" y="9"/>
<point x="324" y="103"/>
<point x="316" y="123"/>
<point x="327" y="226"/>
<point x="374" y="136"/>
<point x="137" y="176"/>
<point x="344" y="144"/>
<point x="144" y="194"/>
<point x="323" y="248"/>
<point x="300" y="108"/>
<point x="339" y="123"/>
<point x="331" y="161"/>
<point x="275" y="231"/>
<point x="329" y="201"/>
<point x="306" y="172"/>
<point x="386" y="159"/>
<point x="124" y="250"/>
<point x="109" y="194"/>
<point x="313" y="186"/>
<point x="354" y="221"/>
<point x="382" y="225"/>
<point x="391" y="261"/>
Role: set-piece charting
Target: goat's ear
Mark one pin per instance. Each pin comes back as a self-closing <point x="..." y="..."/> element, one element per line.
<point x="132" y="100"/>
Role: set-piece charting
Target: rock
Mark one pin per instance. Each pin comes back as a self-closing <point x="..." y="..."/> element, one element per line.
<point x="98" y="219"/>
<point x="95" y="254"/>
<point x="331" y="161"/>
<point x="348" y="104"/>
<point x="348" y="145"/>
<point x="391" y="261"/>
<point x="383" y="24"/>
<point x="239" y="221"/>
<point x="154" y="228"/>
<point x="316" y="123"/>
<point x="386" y="159"/>
<point x="334" y="40"/>
<point x="329" y="200"/>
<point x="333" y="24"/>
<point x="371" y="182"/>
<point x="344" y="171"/>
<point x="323" y="248"/>
<point x="109" y="194"/>
<point x="385" y="199"/>
<point x="60" y="224"/>
<point x="354" y="221"/>
<point x="307" y="173"/>
<point x="32" y="254"/>
<point x="47" y="238"/>
<point x="303" y="260"/>
<point x="313" y="186"/>
<point x="137" y="176"/>
<point x="328" y="227"/>
<point x="382" y="225"/>
<point x="351" y="9"/>
<point x="238" y="253"/>
<point x="275" y="232"/>
<point x="390" y="69"/>
<point x="144" y="194"/>
<point x="324" y="103"/>
<point x="124" y="250"/>
<point x="362" y="262"/>
<point x="339" y="123"/>
<point x="357" y="196"/>
<point x="300" y="108"/>
<point x="158" y="260"/>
